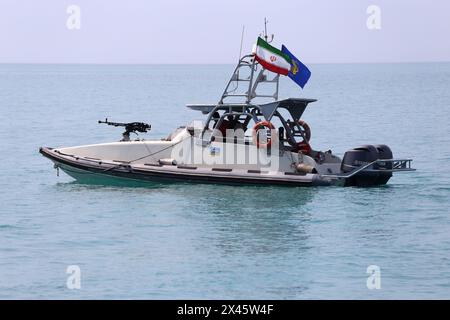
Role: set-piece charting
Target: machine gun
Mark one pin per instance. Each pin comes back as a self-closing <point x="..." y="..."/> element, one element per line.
<point x="130" y="127"/>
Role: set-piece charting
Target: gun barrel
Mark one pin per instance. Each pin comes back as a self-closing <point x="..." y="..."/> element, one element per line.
<point x="116" y="124"/>
<point x="129" y="127"/>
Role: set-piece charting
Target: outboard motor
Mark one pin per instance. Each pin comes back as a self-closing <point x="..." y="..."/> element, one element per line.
<point x="384" y="152"/>
<point x="363" y="155"/>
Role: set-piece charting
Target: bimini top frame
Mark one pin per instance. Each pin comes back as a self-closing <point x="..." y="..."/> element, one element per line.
<point x="295" y="107"/>
<point x="245" y="64"/>
<point x="243" y="106"/>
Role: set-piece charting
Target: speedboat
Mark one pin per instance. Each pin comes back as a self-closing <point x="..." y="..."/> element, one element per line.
<point x="247" y="138"/>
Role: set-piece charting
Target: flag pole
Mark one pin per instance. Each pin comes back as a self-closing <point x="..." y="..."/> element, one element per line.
<point x="250" y="83"/>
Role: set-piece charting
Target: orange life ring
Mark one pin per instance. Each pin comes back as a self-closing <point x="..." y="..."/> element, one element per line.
<point x="307" y="129"/>
<point x="256" y="127"/>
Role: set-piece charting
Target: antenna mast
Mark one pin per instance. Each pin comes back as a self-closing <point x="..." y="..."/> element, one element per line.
<point x="266" y="37"/>
<point x="265" y="28"/>
<point x="248" y="61"/>
<point x="242" y="40"/>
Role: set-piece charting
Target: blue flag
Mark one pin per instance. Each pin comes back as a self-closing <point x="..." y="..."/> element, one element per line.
<point x="299" y="73"/>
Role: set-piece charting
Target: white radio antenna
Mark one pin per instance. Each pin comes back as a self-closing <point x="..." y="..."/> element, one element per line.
<point x="242" y="40"/>
<point x="265" y="32"/>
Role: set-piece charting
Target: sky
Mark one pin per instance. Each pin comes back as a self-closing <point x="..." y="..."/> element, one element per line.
<point x="200" y="31"/>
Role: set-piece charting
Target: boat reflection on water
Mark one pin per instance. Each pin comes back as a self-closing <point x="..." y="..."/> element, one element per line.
<point x="232" y="218"/>
<point x="248" y="218"/>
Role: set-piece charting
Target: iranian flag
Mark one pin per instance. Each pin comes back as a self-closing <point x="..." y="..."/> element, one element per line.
<point x="271" y="58"/>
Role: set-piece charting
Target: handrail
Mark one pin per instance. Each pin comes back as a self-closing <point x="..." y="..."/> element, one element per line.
<point x="405" y="165"/>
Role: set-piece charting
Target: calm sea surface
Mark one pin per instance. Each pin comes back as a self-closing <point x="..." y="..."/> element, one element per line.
<point x="208" y="241"/>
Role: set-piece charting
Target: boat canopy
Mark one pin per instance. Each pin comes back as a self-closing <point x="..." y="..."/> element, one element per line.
<point x="295" y="106"/>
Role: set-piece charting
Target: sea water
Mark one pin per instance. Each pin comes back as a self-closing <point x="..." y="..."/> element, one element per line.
<point x="211" y="241"/>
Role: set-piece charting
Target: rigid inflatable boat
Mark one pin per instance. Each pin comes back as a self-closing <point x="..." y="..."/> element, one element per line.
<point x="246" y="138"/>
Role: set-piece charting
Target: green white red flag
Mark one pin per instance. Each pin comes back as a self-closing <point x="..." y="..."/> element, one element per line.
<point x="271" y="58"/>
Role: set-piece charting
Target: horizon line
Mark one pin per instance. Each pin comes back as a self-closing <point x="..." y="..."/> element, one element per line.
<point x="214" y="63"/>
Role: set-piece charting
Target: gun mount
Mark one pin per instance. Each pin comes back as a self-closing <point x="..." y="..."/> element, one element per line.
<point x="130" y="127"/>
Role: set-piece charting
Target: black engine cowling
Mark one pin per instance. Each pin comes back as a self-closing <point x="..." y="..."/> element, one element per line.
<point x="363" y="155"/>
